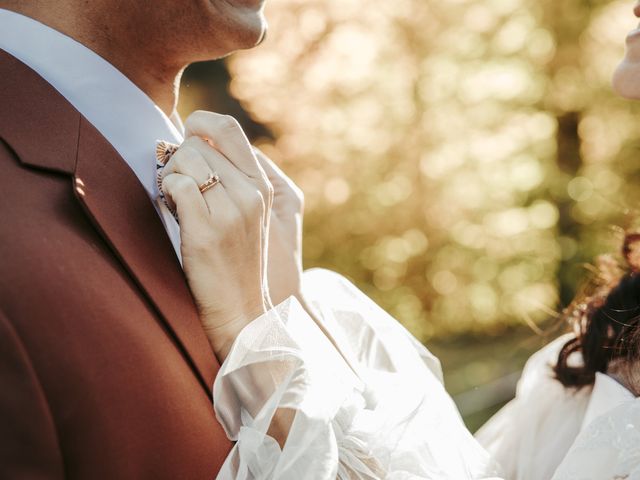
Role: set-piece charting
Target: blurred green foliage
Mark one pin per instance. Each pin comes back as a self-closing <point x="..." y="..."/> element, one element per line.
<point x="461" y="160"/>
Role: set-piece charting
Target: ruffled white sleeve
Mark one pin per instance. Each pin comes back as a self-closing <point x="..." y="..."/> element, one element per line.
<point x="283" y="361"/>
<point x="391" y="420"/>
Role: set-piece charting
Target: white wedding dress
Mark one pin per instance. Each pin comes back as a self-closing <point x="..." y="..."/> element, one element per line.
<point x="551" y="432"/>
<point x="392" y="418"/>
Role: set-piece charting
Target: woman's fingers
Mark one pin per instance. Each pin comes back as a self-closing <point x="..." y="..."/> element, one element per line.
<point x="184" y="193"/>
<point x="224" y="133"/>
<point x="275" y="175"/>
<point x="189" y="161"/>
<point x="227" y="136"/>
<point x="186" y="161"/>
<point x="236" y="194"/>
<point x="197" y="150"/>
<point x="286" y="192"/>
<point x="238" y="186"/>
<point x="224" y="254"/>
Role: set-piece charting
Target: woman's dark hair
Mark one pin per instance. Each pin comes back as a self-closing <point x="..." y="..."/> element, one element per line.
<point x="606" y="320"/>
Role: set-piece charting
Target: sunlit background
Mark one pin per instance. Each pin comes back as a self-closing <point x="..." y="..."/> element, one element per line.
<point x="461" y="159"/>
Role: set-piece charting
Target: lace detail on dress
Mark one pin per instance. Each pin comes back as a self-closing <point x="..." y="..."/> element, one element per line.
<point x="609" y="448"/>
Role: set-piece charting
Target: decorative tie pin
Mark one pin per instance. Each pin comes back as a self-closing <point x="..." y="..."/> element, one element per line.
<point x="164" y="152"/>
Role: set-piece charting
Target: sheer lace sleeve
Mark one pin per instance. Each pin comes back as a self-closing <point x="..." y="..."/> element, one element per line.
<point x="279" y="365"/>
<point x="391" y="419"/>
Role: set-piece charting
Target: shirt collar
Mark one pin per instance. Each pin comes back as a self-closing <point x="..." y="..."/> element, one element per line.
<point x="606" y="395"/>
<point x="121" y="112"/>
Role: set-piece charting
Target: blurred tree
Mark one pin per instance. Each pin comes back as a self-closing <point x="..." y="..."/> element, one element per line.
<point x="461" y="160"/>
<point x="569" y="96"/>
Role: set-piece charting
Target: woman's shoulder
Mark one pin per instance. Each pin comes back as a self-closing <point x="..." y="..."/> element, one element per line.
<point x="539" y="370"/>
<point x="531" y="435"/>
<point x="607" y="447"/>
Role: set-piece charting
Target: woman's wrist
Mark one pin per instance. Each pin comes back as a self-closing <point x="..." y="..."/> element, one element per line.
<point x="222" y="336"/>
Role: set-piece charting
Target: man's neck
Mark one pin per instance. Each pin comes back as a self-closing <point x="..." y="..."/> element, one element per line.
<point x="161" y="84"/>
<point x="141" y="65"/>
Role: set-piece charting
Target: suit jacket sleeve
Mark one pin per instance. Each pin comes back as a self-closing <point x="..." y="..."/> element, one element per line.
<point x="28" y="442"/>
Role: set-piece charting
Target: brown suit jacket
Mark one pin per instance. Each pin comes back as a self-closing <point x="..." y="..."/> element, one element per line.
<point x="104" y="369"/>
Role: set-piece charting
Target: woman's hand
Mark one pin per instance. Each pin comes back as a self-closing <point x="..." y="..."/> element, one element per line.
<point x="284" y="269"/>
<point x="224" y="230"/>
<point x="284" y="259"/>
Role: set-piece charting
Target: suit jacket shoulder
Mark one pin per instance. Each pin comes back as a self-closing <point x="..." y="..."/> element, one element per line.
<point x="104" y="354"/>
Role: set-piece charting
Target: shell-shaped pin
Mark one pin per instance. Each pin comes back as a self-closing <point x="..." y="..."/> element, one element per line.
<point x="164" y="151"/>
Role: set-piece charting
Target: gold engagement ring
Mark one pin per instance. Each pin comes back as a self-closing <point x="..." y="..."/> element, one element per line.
<point x="211" y="182"/>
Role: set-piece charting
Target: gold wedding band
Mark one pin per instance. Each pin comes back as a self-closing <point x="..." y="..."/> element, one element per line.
<point x="211" y="182"/>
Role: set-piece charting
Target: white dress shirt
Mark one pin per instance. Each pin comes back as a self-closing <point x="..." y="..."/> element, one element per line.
<point x="121" y="112"/>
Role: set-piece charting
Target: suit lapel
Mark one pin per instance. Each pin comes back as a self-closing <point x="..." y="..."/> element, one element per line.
<point x="122" y="211"/>
<point x="46" y="131"/>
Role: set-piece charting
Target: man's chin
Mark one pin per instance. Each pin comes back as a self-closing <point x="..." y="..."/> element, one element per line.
<point x="263" y="35"/>
<point x="258" y="27"/>
<point x="626" y="80"/>
<point x="251" y="32"/>
<point x="245" y="40"/>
